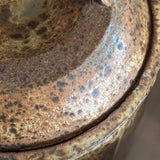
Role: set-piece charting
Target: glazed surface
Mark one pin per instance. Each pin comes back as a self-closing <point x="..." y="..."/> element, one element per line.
<point x="52" y="96"/>
<point x="36" y="27"/>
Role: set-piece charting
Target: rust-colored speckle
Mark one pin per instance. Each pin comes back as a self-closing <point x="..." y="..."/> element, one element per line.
<point x="78" y="76"/>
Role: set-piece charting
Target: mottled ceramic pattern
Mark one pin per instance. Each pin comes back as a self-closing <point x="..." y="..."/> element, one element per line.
<point x="107" y="134"/>
<point x="36" y="27"/>
<point x="51" y="97"/>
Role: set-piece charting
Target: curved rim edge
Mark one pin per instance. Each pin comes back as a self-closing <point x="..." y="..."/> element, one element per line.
<point x="105" y="132"/>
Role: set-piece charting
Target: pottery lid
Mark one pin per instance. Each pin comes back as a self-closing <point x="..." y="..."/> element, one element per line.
<point x="66" y="67"/>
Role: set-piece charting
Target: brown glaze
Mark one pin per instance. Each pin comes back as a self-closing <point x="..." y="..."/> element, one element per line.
<point x="50" y="97"/>
<point x="108" y="133"/>
<point x="36" y="27"/>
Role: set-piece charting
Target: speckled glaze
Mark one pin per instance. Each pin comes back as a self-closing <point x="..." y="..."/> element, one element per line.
<point x="94" y="103"/>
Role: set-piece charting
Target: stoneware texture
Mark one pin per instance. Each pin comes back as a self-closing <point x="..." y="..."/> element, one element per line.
<point x="74" y="94"/>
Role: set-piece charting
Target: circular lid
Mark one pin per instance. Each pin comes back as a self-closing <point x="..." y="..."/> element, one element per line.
<point x="65" y="64"/>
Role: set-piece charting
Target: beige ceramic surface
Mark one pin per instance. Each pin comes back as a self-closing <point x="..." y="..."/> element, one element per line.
<point x="107" y="134"/>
